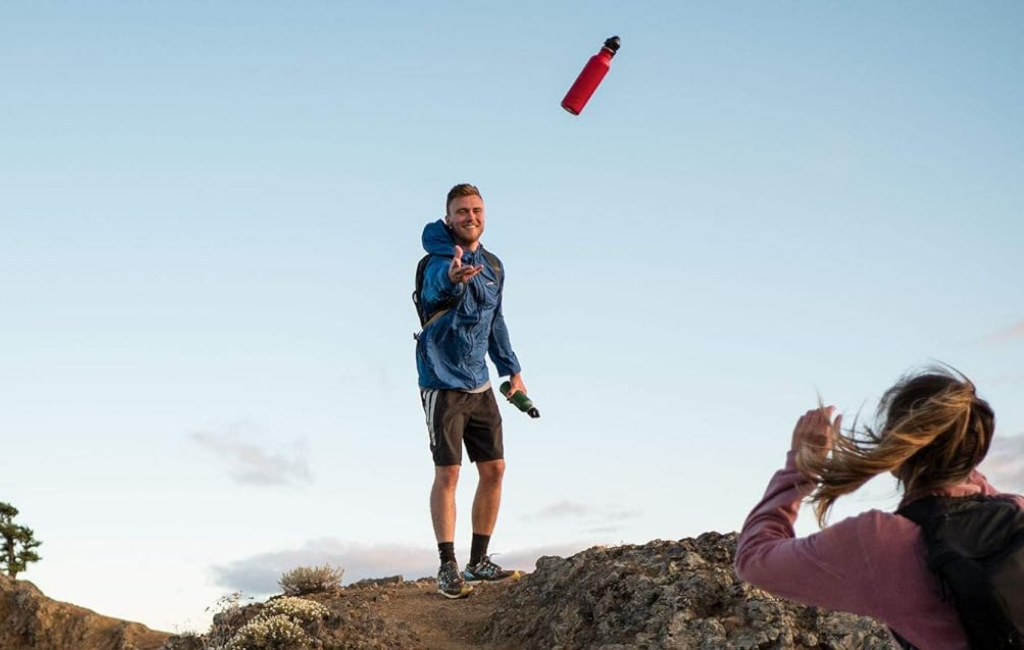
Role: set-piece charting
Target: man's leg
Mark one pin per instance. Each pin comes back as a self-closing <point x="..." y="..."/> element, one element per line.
<point x="488" y="496"/>
<point x="486" y="504"/>
<point x="444" y="424"/>
<point x="442" y="502"/>
<point x="485" y="513"/>
<point x="484" y="441"/>
<point x="450" y="582"/>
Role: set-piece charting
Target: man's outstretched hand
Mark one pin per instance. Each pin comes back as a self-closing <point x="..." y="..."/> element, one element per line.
<point x="457" y="272"/>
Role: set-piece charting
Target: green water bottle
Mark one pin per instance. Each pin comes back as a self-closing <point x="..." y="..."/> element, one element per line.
<point x="521" y="400"/>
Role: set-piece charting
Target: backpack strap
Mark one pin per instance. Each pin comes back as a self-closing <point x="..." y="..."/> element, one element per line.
<point x="975" y="547"/>
<point x="977" y="525"/>
<point x="495" y="264"/>
<point x="437" y="314"/>
<point x="426" y="319"/>
<point x="923" y="509"/>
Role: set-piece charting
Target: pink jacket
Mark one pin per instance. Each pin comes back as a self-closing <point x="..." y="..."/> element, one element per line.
<point x="872" y="564"/>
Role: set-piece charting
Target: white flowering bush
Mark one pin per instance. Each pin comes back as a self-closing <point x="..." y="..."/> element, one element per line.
<point x="279" y="626"/>
<point x="270" y="633"/>
<point x="308" y="580"/>
<point x="299" y="610"/>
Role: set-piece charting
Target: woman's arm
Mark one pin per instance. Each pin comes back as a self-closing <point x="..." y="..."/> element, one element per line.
<point x="837" y="567"/>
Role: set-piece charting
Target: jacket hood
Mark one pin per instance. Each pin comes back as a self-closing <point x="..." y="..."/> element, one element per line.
<point x="437" y="239"/>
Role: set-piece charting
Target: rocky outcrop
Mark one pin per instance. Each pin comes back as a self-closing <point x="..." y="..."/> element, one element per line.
<point x="31" y="621"/>
<point x="664" y="595"/>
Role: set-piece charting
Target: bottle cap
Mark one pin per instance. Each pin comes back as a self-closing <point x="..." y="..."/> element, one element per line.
<point x="613" y="44"/>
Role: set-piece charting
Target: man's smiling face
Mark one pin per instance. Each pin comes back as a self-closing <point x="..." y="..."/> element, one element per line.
<point x="466" y="219"/>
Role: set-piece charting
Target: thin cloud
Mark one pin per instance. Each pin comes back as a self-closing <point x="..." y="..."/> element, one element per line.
<point x="1013" y="332"/>
<point x="1004" y="465"/>
<point x="560" y="510"/>
<point x="258" y="575"/>
<point x="526" y="559"/>
<point x="250" y="464"/>
<point x="621" y="514"/>
<point x="563" y="510"/>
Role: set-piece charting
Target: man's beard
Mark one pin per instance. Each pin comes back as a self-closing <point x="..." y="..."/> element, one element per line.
<point x="461" y="240"/>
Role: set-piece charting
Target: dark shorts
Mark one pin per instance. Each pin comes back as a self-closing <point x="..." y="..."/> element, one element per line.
<point x="455" y="417"/>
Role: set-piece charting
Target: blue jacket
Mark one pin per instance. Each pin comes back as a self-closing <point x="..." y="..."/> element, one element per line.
<point x="450" y="352"/>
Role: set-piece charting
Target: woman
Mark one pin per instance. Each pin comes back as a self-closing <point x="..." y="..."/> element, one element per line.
<point x="934" y="430"/>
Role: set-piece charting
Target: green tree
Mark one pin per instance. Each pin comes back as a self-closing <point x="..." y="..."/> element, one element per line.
<point x="17" y="543"/>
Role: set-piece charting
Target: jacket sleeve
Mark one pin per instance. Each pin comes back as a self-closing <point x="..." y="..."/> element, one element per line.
<point x="437" y="286"/>
<point x="836" y="568"/>
<point x="499" y="345"/>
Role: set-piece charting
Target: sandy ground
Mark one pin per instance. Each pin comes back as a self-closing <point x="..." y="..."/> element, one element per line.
<point x="444" y="624"/>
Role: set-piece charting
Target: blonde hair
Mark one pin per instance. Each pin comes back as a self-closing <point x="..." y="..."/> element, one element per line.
<point x="462" y="189"/>
<point x="933" y="431"/>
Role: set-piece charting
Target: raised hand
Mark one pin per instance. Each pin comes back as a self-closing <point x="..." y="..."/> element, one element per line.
<point x="812" y="435"/>
<point x="457" y="272"/>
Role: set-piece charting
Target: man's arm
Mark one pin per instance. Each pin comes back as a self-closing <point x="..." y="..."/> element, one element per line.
<point x="499" y="347"/>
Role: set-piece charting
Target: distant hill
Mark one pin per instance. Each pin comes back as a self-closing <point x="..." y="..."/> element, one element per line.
<point x="31" y="621"/>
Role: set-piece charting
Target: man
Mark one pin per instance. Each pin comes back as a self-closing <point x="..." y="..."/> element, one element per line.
<point x="461" y="296"/>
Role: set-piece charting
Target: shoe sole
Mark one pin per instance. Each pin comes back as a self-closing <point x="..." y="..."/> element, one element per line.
<point x="515" y="575"/>
<point x="466" y="591"/>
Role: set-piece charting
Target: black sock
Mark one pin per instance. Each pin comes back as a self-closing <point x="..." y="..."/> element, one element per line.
<point x="479" y="548"/>
<point x="447" y="551"/>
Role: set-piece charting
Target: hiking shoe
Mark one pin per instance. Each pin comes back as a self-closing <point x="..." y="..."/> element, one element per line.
<point x="487" y="571"/>
<point x="450" y="583"/>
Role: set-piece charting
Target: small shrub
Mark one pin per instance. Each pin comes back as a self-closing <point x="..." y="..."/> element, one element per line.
<point x="271" y="633"/>
<point x="308" y="580"/>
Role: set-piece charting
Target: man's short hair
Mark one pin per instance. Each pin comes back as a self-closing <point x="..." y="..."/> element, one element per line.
<point x="462" y="189"/>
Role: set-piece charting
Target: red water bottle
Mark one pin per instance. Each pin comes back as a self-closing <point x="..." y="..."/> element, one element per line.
<point x="591" y="76"/>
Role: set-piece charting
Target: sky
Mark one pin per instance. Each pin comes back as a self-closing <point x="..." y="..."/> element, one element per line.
<point x="210" y="218"/>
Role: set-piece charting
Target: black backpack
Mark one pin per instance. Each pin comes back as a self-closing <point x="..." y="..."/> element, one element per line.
<point x="975" y="545"/>
<point x="441" y="308"/>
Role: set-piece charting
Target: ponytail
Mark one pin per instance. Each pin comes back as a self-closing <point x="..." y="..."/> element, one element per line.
<point x="934" y="430"/>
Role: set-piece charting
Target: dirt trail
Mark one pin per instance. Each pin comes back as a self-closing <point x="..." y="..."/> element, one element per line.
<point x="444" y="624"/>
